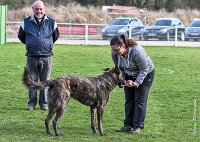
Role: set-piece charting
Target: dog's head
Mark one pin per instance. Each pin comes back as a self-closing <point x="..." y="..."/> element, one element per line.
<point x="117" y="74"/>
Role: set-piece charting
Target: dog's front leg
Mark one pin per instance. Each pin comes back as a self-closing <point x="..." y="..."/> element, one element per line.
<point x="93" y="111"/>
<point x="100" y="119"/>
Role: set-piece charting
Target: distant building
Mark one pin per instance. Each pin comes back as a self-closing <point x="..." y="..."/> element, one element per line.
<point x="115" y="9"/>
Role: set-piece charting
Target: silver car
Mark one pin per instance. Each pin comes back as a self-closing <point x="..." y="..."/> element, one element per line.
<point x="193" y="30"/>
<point x="124" y="25"/>
<point x="164" y="29"/>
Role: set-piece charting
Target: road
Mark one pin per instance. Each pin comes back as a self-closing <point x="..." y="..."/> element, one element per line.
<point x="106" y="42"/>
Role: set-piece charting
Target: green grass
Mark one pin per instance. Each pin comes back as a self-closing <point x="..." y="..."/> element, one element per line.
<point x="170" y="110"/>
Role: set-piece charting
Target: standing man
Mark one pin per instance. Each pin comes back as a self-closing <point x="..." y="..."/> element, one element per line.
<point x="38" y="32"/>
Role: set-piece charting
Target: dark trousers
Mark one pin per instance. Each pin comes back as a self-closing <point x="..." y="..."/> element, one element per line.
<point x="40" y="69"/>
<point x="136" y="101"/>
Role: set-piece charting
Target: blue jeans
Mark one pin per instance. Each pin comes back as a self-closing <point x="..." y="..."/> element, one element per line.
<point x="136" y="101"/>
<point x="40" y="70"/>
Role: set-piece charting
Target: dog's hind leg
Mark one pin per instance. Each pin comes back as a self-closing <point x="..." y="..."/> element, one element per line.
<point x="59" y="113"/>
<point x="93" y="111"/>
<point x="48" y="119"/>
<point x="100" y="119"/>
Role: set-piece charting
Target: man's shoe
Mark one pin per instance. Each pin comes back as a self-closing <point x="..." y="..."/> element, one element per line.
<point x="125" y="129"/>
<point x="30" y="107"/>
<point x="136" y="130"/>
<point x="44" y="107"/>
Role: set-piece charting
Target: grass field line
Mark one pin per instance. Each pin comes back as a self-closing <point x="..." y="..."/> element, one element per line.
<point x="195" y="117"/>
<point x="166" y="71"/>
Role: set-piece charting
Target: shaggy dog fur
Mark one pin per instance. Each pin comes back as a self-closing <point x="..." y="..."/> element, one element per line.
<point x="90" y="91"/>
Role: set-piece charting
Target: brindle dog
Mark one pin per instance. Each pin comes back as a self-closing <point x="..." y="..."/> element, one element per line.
<point x="90" y="91"/>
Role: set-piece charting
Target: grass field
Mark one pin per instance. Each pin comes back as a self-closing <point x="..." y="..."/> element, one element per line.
<point x="173" y="105"/>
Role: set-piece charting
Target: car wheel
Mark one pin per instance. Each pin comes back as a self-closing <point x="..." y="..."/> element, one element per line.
<point x="182" y="36"/>
<point x="186" y="39"/>
<point x="167" y="36"/>
<point x="160" y="38"/>
<point x="141" y="38"/>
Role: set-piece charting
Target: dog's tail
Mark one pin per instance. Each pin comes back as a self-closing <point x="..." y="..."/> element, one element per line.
<point x="30" y="84"/>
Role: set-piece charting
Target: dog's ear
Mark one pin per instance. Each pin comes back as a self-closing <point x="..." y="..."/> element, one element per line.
<point x="105" y="69"/>
<point x="117" y="69"/>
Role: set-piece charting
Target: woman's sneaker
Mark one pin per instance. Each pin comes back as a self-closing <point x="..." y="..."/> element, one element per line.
<point x="135" y="130"/>
<point x="125" y="129"/>
<point x="44" y="107"/>
<point x="30" y="107"/>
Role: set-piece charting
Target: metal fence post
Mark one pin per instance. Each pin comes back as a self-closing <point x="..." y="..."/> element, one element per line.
<point x="86" y="34"/>
<point x="175" y="42"/>
<point x="3" y="15"/>
<point x="130" y="27"/>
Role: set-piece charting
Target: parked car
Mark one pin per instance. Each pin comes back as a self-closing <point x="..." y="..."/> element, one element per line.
<point x="193" y="30"/>
<point x="164" y="29"/>
<point x="120" y="26"/>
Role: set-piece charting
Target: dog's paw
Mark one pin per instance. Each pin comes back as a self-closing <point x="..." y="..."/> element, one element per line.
<point x="95" y="132"/>
<point x="50" y="134"/>
<point x="103" y="134"/>
<point x="58" y="134"/>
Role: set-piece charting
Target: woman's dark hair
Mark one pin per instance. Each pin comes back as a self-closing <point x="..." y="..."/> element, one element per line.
<point x="119" y="40"/>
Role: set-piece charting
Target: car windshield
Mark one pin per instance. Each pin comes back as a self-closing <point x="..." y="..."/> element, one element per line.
<point x="162" y="23"/>
<point x="119" y="22"/>
<point x="195" y="24"/>
<point x="136" y="23"/>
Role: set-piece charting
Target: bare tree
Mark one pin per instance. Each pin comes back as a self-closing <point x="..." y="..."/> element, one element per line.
<point x="140" y="3"/>
<point x="158" y="4"/>
<point x="2" y="1"/>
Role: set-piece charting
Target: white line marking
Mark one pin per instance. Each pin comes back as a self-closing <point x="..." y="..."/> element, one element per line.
<point x="195" y="117"/>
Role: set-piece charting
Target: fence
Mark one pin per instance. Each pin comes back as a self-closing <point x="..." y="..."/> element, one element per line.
<point x="85" y="34"/>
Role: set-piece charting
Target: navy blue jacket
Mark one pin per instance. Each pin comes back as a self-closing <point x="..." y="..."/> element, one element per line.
<point x="39" y="38"/>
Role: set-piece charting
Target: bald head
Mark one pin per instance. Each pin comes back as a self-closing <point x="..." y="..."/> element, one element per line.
<point x="38" y="9"/>
<point x="38" y="3"/>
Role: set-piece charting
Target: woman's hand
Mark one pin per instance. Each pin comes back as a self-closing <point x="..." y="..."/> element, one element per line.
<point x="130" y="83"/>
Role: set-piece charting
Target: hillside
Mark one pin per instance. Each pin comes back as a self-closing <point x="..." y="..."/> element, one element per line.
<point x="74" y="13"/>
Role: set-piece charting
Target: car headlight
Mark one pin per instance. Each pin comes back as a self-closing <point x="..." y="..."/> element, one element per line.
<point x="122" y="30"/>
<point x="186" y="30"/>
<point x="103" y="30"/>
<point x="144" y="30"/>
<point x="163" y="31"/>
